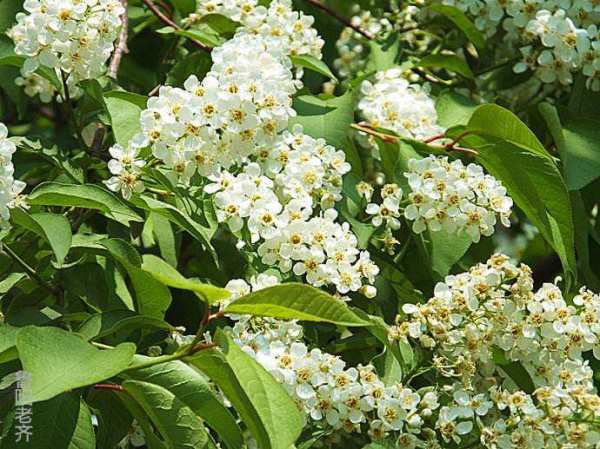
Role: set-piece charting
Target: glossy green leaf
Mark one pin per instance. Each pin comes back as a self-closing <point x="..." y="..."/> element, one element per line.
<point x="511" y="152"/>
<point x="169" y="276"/>
<point x="87" y="196"/>
<point x="451" y="63"/>
<point x="124" y="109"/>
<point x="53" y="228"/>
<point x="152" y="297"/>
<point x="194" y="390"/>
<point x="263" y="404"/>
<point x="296" y="301"/>
<point x="108" y="323"/>
<point x="60" y="361"/>
<point x="314" y="64"/>
<point x="175" y="422"/>
<point x="63" y="422"/>
<point x="327" y="118"/>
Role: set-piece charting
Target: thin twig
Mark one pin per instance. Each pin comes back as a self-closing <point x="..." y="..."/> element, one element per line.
<point x="367" y="129"/>
<point x="434" y="138"/>
<point x="121" y="47"/>
<point x="388" y="138"/>
<point x="340" y="18"/>
<point x="29" y="270"/>
<point x="164" y="19"/>
<point x="113" y="387"/>
<point x="96" y="146"/>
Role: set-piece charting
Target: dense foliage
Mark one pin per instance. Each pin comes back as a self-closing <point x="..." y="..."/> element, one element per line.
<point x="282" y="224"/>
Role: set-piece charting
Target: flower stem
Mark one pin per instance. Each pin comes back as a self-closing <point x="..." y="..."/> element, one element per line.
<point x="340" y="18"/>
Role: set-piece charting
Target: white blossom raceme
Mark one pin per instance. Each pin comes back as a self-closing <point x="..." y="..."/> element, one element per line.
<point x="391" y="102"/>
<point x="244" y="101"/>
<point x="492" y="313"/>
<point x="456" y="198"/>
<point x="284" y="30"/>
<point x="73" y="38"/>
<point x="285" y="200"/>
<point x="10" y="188"/>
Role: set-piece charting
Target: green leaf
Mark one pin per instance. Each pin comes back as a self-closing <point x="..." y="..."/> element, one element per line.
<point x="10" y="281"/>
<point x="296" y="301"/>
<point x="451" y="63"/>
<point x="165" y="237"/>
<point x="510" y="152"/>
<point x="124" y="109"/>
<point x="202" y="36"/>
<point x="177" y="425"/>
<point x="59" y="361"/>
<point x="8" y="11"/>
<point x="383" y="55"/>
<point x="454" y="109"/>
<point x="169" y="276"/>
<point x="87" y="196"/>
<point x="8" y="338"/>
<point x="114" y="420"/>
<point x="194" y="390"/>
<point x="327" y="118"/>
<point x="152" y="297"/>
<point x="444" y="249"/>
<point x="462" y="22"/>
<point x="108" y="323"/>
<point x="63" y="422"/>
<point x="578" y="142"/>
<point x="203" y="234"/>
<point x="263" y="404"/>
<point x="54" y="229"/>
<point x="186" y="7"/>
<point x="314" y="64"/>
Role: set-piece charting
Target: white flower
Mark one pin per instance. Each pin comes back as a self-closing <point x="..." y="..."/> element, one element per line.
<point x="387" y="212"/>
<point x="10" y="189"/>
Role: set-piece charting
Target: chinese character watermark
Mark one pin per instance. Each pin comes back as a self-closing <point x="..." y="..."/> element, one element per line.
<point x="23" y="413"/>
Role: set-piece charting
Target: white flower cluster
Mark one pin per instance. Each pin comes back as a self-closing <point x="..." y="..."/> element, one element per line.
<point x="244" y="101"/>
<point x="288" y="31"/>
<point x="556" y="38"/>
<point x="126" y="170"/>
<point x="492" y="313"/>
<point x="447" y="195"/>
<point x="278" y="197"/>
<point x="10" y="188"/>
<point x="395" y="104"/>
<point x="68" y="36"/>
<point x="328" y="391"/>
<point x="34" y="84"/>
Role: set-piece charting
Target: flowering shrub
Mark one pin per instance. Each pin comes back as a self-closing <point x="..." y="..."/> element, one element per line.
<point x="299" y="224"/>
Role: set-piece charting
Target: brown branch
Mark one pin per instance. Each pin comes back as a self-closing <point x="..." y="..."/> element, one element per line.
<point x="96" y="145"/>
<point x="202" y="347"/>
<point x="388" y="138"/>
<point x="340" y="18"/>
<point x="121" y="47"/>
<point x="113" y="387"/>
<point x="164" y="19"/>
